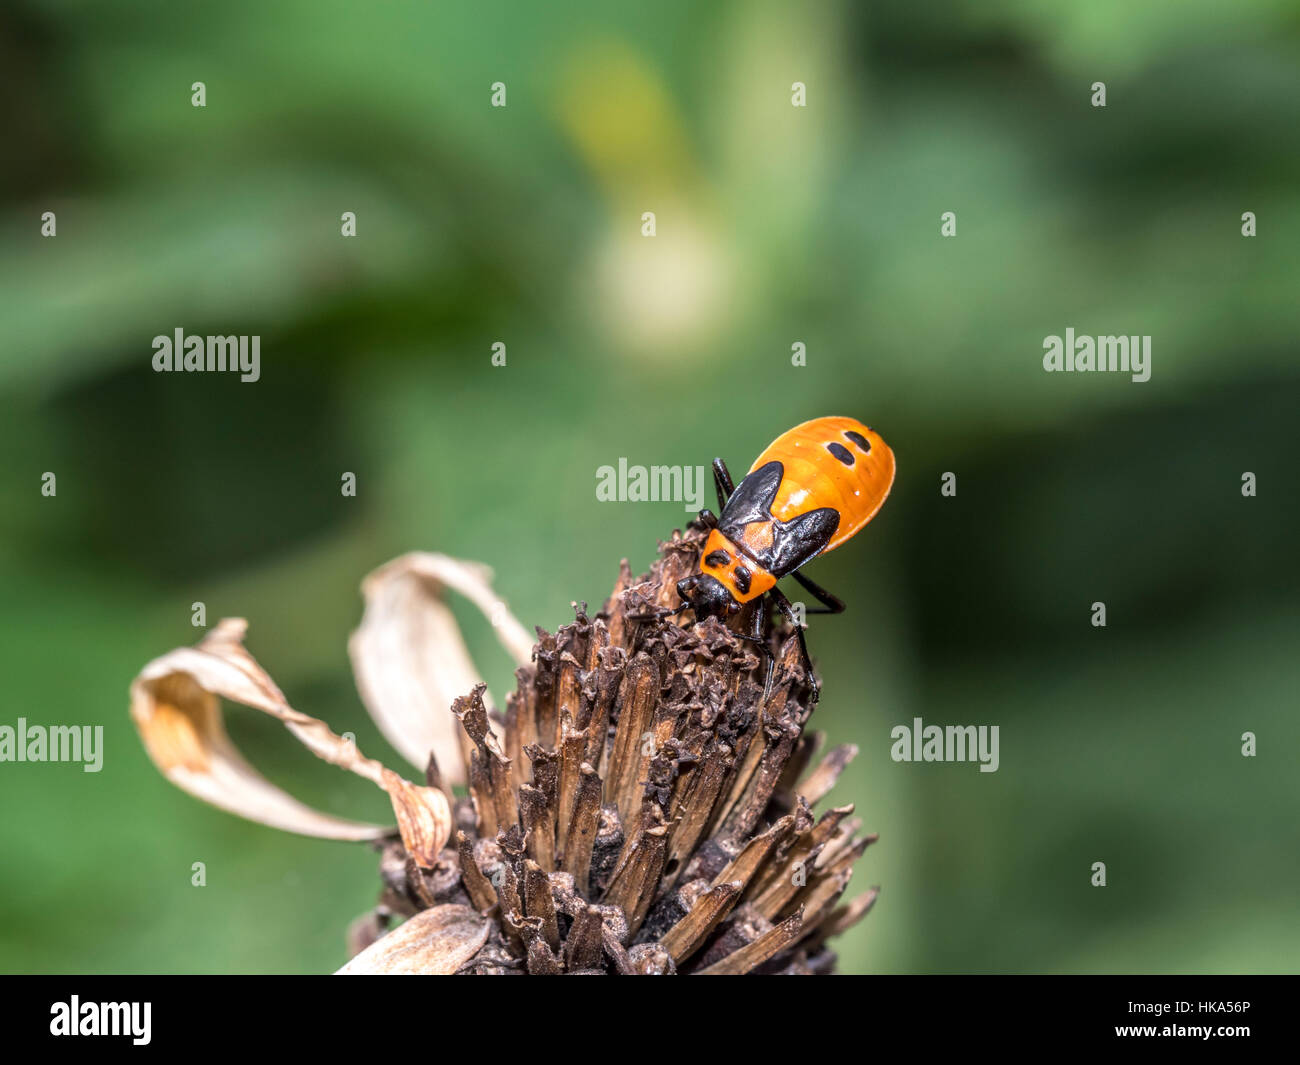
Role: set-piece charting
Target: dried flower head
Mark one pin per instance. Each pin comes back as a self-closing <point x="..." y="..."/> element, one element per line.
<point x="640" y="806"/>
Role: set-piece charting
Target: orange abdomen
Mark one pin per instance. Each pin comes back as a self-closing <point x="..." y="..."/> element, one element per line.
<point x="831" y="462"/>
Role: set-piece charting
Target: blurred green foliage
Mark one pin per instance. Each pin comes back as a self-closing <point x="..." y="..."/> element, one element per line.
<point x="775" y="225"/>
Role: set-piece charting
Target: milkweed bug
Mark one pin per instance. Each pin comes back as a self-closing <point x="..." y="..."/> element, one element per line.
<point x="809" y="491"/>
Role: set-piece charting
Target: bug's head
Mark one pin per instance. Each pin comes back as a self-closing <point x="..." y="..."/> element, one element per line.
<point x="707" y="596"/>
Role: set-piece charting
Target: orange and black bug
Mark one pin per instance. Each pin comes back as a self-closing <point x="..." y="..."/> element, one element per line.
<point x="809" y="491"/>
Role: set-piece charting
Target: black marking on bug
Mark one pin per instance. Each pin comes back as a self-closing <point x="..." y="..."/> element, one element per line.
<point x="752" y="500"/>
<point x="801" y="538"/>
<point x="841" y="452"/>
<point x="717" y="558"/>
<point x="795" y="541"/>
<point x="741" y="577"/>
<point x="863" y="443"/>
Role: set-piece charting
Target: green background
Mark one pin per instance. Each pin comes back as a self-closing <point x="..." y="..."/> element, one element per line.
<point x="775" y="225"/>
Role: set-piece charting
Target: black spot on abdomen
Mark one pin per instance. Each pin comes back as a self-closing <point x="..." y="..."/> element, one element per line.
<point x="717" y="558"/>
<point x="841" y="452"/>
<point x="742" y="577"/>
<point x="864" y="445"/>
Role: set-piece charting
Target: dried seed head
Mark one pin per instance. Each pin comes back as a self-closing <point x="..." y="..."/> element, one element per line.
<point x="642" y="810"/>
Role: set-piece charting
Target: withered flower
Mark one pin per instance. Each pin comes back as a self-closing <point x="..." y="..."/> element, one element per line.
<point x="640" y="807"/>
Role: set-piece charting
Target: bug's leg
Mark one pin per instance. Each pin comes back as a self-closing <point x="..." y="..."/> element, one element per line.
<point x="722" y="482"/>
<point x="755" y="636"/>
<point x="760" y="612"/>
<point x="831" y="604"/>
<point x="708" y="519"/>
<point x="755" y="633"/>
<point x="787" y="611"/>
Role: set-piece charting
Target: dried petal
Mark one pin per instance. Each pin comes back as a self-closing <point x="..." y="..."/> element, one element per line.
<point x="436" y="942"/>
<point x="175" y="704"/>
<point x="423" y="817"/>
<point x="409" y="657"/>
